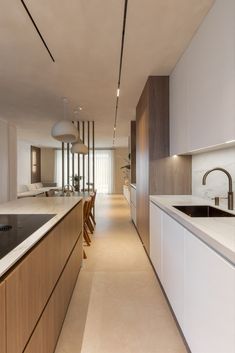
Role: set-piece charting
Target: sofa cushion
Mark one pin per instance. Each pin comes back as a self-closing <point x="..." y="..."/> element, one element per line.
<point x="39" y="185"/>
<point x="22" y="188"/>
<point x="31" y="187"/>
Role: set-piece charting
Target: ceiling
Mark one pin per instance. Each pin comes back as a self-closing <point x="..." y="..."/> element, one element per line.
<point x="84" y="37"/>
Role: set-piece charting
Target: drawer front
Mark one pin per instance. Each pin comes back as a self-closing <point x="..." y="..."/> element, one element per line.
<point x="45" y="336"/>
<point x="29" y="286"/>
<point x="2" y="319"/>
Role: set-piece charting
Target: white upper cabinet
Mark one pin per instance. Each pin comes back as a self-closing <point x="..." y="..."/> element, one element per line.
<point x="202" y="85"/>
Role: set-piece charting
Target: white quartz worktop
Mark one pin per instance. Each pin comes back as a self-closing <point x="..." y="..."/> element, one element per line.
<point x="216" y="232"/>
<point x="36" y="205"/>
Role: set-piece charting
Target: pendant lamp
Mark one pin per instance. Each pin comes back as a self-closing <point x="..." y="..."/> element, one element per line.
<point x="64" y="130"/>
<point x="78" y="146"/>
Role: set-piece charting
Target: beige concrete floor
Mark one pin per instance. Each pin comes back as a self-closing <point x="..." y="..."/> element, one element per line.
<point x="117" y="305"/>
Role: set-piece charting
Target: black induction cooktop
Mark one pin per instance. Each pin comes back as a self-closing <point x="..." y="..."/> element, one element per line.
<point x="15" y="228"/>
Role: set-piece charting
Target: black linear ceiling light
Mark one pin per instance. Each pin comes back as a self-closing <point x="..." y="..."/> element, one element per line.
<point x="120" y="69"/>
<point x="37" y="29"/>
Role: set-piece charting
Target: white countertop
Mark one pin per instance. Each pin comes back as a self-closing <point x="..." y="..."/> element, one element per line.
<point x="35" y="205"/>
<point x="216" y="232"/>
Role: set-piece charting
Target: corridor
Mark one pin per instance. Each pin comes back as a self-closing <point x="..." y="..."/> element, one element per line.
<point x="117" y="305"/>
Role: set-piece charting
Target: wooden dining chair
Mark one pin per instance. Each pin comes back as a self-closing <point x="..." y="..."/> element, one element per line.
<point x="89" y="226"/>
<point x="92" y="208"/>
<point x="85" y="216"/>
<point x="50" y="193"/>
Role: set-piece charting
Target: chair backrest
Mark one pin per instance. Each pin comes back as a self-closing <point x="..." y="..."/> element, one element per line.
<point x="50" y="193"/>
<point x="93" y="197"/>
<point x="86" y="209"/>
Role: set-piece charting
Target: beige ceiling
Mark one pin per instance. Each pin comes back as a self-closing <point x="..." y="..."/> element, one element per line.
<point x="84" y="37"/>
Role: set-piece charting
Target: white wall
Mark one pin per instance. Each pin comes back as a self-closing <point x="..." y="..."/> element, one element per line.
<point x="8" y="162"/>
<point x="217" y="182"/>
<point x="23" y="169"/>
<point x="202" y="85"/>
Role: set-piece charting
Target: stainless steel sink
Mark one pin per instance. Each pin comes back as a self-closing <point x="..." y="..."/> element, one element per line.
<point x="203" y="211"/>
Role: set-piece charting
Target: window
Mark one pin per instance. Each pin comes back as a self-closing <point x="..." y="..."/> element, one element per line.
<point x="103" y="169"/>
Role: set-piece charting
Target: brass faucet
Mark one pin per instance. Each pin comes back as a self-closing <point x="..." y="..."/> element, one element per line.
<point x="230" y="182"/>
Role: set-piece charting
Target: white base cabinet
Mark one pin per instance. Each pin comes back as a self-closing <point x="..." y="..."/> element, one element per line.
<point x="209" y="299"/>
<point x="156" y="216"/>
<point x="133" y="204"/>
<point x="199" y="283"/>
<point x="126" y="193"/>
<point x="173" y="265"/>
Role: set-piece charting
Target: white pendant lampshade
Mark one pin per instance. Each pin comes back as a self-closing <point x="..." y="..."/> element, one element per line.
<point x="64" y="130"/>
<point x="79" y="148"/>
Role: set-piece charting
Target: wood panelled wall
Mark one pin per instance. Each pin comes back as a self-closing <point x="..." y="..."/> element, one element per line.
<point x="156" y="172"/>
<point x="133" y="151"/>
<point x="35" y="164"/>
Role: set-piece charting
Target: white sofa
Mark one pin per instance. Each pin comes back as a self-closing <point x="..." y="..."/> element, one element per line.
<point x="35" y="189"/>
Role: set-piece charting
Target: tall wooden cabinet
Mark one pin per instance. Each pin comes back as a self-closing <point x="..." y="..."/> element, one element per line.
<point x="133" y="151"/>
<point x="156" y="172"/>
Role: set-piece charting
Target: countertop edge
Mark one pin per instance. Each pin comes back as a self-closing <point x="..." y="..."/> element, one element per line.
<point x="8" y="261"/>
<point x="205" y="237"/>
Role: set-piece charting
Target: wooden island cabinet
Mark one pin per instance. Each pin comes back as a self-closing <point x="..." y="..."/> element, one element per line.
<point x="39" y="288"/>
<point x="2" y="319"/>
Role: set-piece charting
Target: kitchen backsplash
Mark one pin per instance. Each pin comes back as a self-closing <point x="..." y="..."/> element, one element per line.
<point x="217" y="182"/>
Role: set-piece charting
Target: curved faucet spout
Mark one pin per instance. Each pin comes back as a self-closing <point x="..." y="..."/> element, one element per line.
<point x="230" y="182"/>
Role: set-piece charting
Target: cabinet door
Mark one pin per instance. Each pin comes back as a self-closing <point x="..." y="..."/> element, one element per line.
<point x="173" y="264"/>
<point x="209" y="319"/>
<point x="156" y="238"/>
<point x="2" y="319"/>
<point x="133" y="213"/>
<point x="48" y="328"/>
<point x="133" y="196"/>
<point x="202" y="88"/>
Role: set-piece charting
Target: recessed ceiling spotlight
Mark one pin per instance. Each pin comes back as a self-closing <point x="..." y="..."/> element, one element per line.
<point x="114" y="128"/>
<point x="80" y="108"/>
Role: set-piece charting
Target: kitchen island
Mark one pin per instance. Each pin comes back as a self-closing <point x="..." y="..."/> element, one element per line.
<point x="37" y="277"/>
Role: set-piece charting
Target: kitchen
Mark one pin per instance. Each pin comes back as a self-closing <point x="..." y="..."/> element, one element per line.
<point x="159" y="274"/>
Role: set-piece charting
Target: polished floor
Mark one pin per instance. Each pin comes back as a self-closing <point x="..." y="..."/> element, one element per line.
<point x="117" y="305"/>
